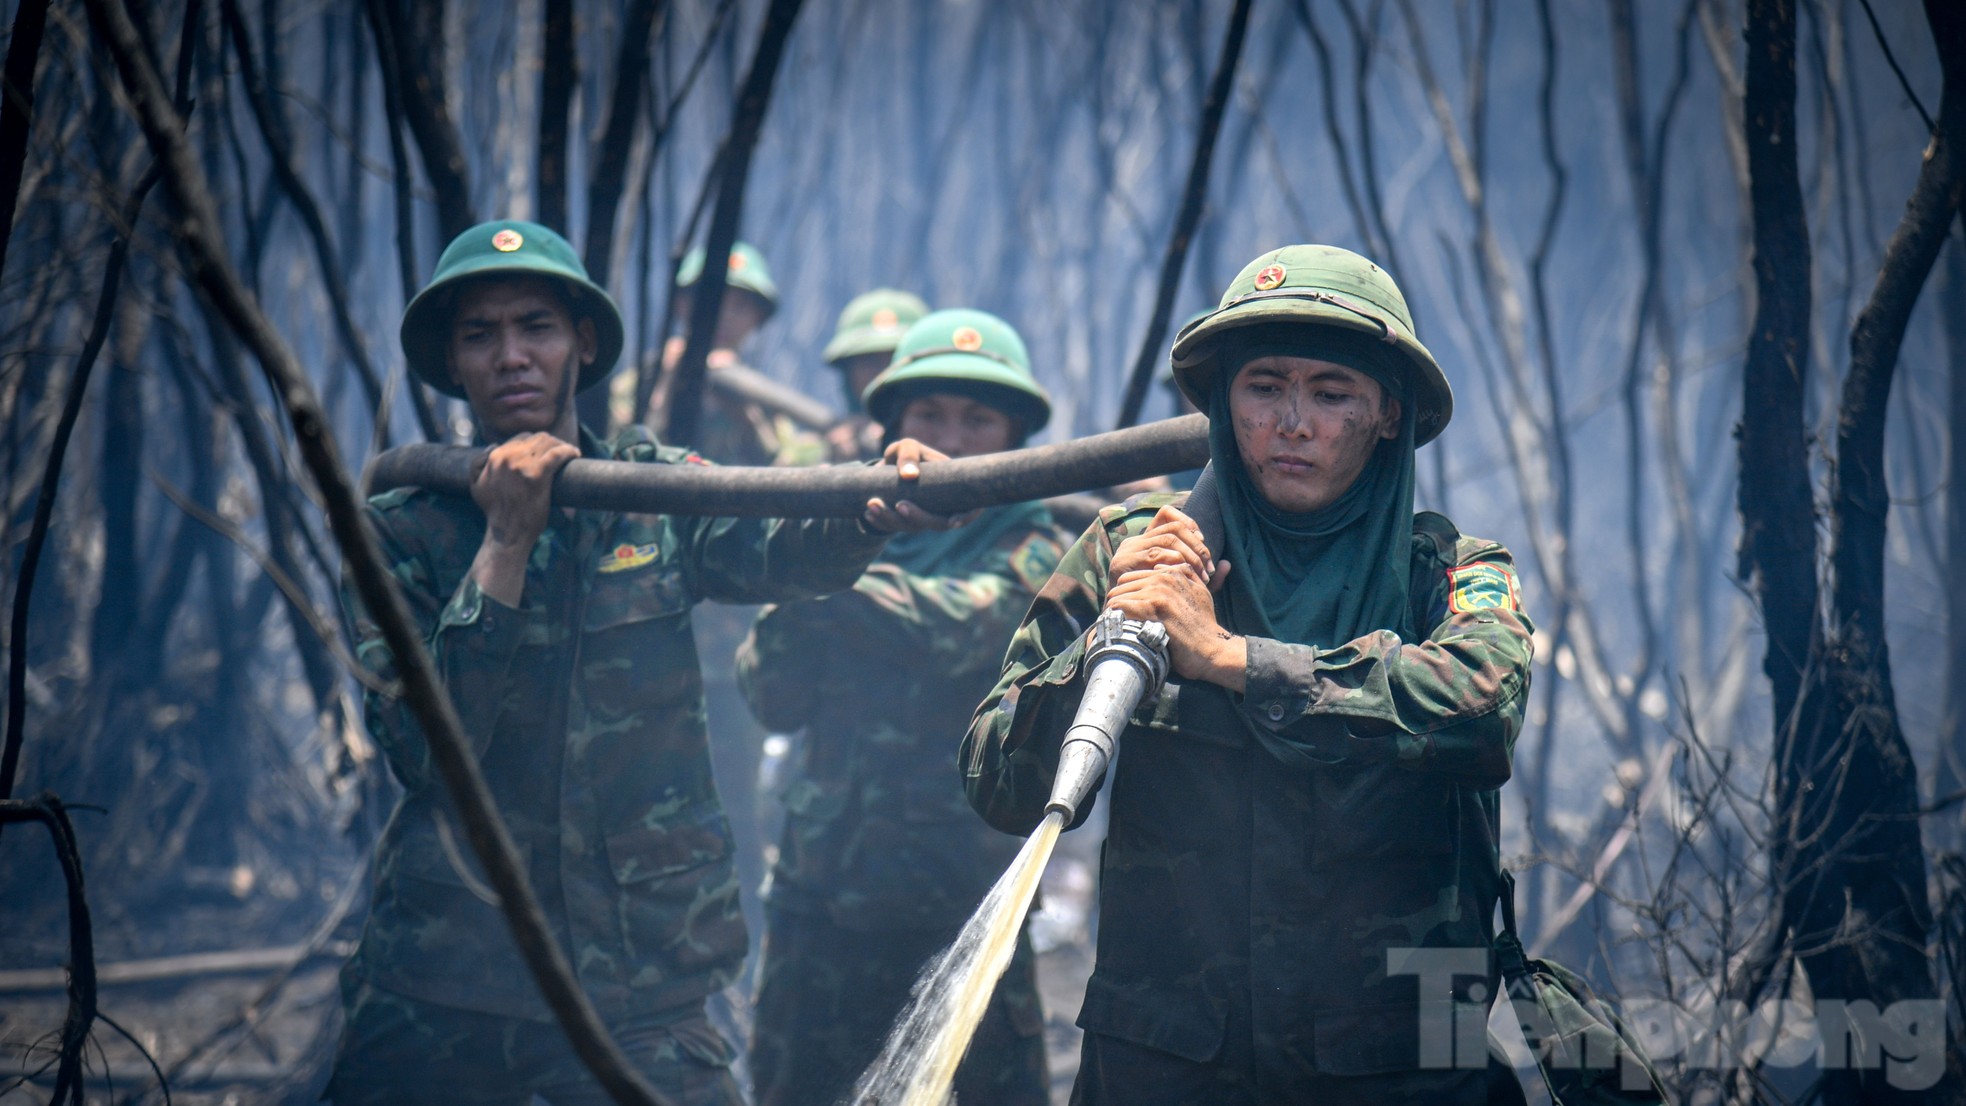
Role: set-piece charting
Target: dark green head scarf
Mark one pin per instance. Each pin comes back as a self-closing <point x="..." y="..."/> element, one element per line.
<point x="1321" y="577"/>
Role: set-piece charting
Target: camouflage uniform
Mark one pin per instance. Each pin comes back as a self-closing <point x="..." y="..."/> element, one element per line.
<point x="1247" y="906"/>
<point x="585" y="707"/>
<point x="881" y="862"/>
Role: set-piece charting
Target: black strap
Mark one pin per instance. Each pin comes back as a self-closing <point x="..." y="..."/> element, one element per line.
<point x="1516" y="981"/>
<point x="1508" y="904"/>
<point x="1510" y="955"/>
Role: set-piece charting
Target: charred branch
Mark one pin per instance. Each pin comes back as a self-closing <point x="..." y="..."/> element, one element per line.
<point x="429" y="702"/>
<point x="409" y="44"/>
<point x="559" y="74"/>
<point x="1860" y="498"/>
<point x="44" y="504"/>
<point x="1193" y="197"/>
<point x="686" y="395"/>
<point x="17" y="109"/>
<point x="624" y="112"/>
<point x="273" y="128"/>
<point x="1778" y="532"/>
<point x="48" y="810"/>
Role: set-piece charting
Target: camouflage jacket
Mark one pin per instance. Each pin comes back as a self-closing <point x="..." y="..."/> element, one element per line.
<point x="585" y="707"/>
<point x="883" y="678"/>
<point x="1239" y="894"/>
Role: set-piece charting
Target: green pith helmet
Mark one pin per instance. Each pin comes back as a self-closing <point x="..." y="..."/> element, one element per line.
<point x="746" y="269"/>
<point x="1315" y="286"/>
<point x="966" y="352"/>
<point x="504" y="247"/>
<point x="873" y="322"/>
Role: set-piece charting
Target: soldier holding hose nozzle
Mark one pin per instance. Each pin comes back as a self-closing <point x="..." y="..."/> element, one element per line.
<point x="1309" y="806"/>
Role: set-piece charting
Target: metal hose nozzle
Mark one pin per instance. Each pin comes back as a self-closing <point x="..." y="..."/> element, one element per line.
<point x="1125" y="663"/>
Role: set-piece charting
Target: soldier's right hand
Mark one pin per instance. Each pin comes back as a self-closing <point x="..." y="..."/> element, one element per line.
<point x="1172" y="540"/>
<point x="514" y="487"/>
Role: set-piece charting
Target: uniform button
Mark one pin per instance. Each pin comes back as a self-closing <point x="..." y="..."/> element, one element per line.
<point x="487" y="622"/>
<point x="1276" y="712"/>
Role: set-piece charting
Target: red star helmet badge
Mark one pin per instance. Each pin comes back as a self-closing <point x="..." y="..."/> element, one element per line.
<point x="507" y="240"/>
<point x="967" y="339"/>
<point x="1270" y="277"/>
<point x="736" y="263"/>
<point x="885" y="319"/>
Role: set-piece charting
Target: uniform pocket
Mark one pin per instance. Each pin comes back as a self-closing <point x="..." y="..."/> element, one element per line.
<point x="638" y="651"/>
<point x="676" y="896"/>
<point x="643" y="853"/>
<point x="1158" y="1015"/>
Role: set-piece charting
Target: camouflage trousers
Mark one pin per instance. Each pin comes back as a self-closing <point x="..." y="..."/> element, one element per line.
<point x="1116" y="1072"/>
<point x="397" y="1050"/>
<point x="827" y="997"/>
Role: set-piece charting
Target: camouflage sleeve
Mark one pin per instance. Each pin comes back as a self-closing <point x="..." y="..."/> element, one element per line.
<point x="776" y="669"/>
<point x="944" y="624"/>
<point x="759" y="560"/>
<point x="1451" y="704"/>
<point x="1010" y="753"/>
<point x="472" y="639"/>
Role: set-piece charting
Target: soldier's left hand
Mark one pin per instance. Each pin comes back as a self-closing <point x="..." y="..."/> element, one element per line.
<point x="1175" y="596"/>
<point x="904" y="515"/>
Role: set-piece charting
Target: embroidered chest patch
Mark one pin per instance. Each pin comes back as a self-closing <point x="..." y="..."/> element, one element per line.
<point x="1482" y="587"/>
<point x="627" y="556"/>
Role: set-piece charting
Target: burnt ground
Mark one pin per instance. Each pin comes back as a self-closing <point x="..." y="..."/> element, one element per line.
<point x="237" y="1035"/>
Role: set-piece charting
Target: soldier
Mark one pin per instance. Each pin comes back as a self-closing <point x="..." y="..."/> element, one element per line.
<point x="880" y="861"/>
<point x="731" y="432"/>
<point x="862" y="344"/>
<point x="1315" y="790"/>
<point x="564" y="639"/>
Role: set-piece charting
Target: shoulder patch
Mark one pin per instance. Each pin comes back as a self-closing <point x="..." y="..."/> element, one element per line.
<point x="1034" y="560"/>
<point x="1482" y="587"/>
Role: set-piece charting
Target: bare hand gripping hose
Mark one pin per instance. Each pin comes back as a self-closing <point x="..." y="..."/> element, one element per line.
<point x="1125" y="664"/>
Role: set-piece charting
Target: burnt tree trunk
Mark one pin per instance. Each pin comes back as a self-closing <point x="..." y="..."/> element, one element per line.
<point x="1950" y="777"/>
<point x="609" y="168"/>
<point x="559" y="73"/>
<point x="1848" y="860"/>
<point x="734" y="169"/>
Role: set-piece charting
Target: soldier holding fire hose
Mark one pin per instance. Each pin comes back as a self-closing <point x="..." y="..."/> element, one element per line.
<point x="1315" y="788"/>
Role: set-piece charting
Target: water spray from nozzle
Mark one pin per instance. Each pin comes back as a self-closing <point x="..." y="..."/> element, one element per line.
<point x="1126" y="662"/>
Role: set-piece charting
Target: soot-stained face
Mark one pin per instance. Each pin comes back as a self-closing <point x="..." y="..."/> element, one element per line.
<point x="1307" y="427"/>
<point x="517" y="350"/>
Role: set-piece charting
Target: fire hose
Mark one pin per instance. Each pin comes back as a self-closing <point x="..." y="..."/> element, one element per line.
<point x="1125" y="664"/>
<point x="829" y="491"/>
<point x="1126" y="660"/>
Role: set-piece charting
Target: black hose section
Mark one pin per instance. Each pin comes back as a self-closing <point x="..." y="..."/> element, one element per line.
<point x="828" y="491"/>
